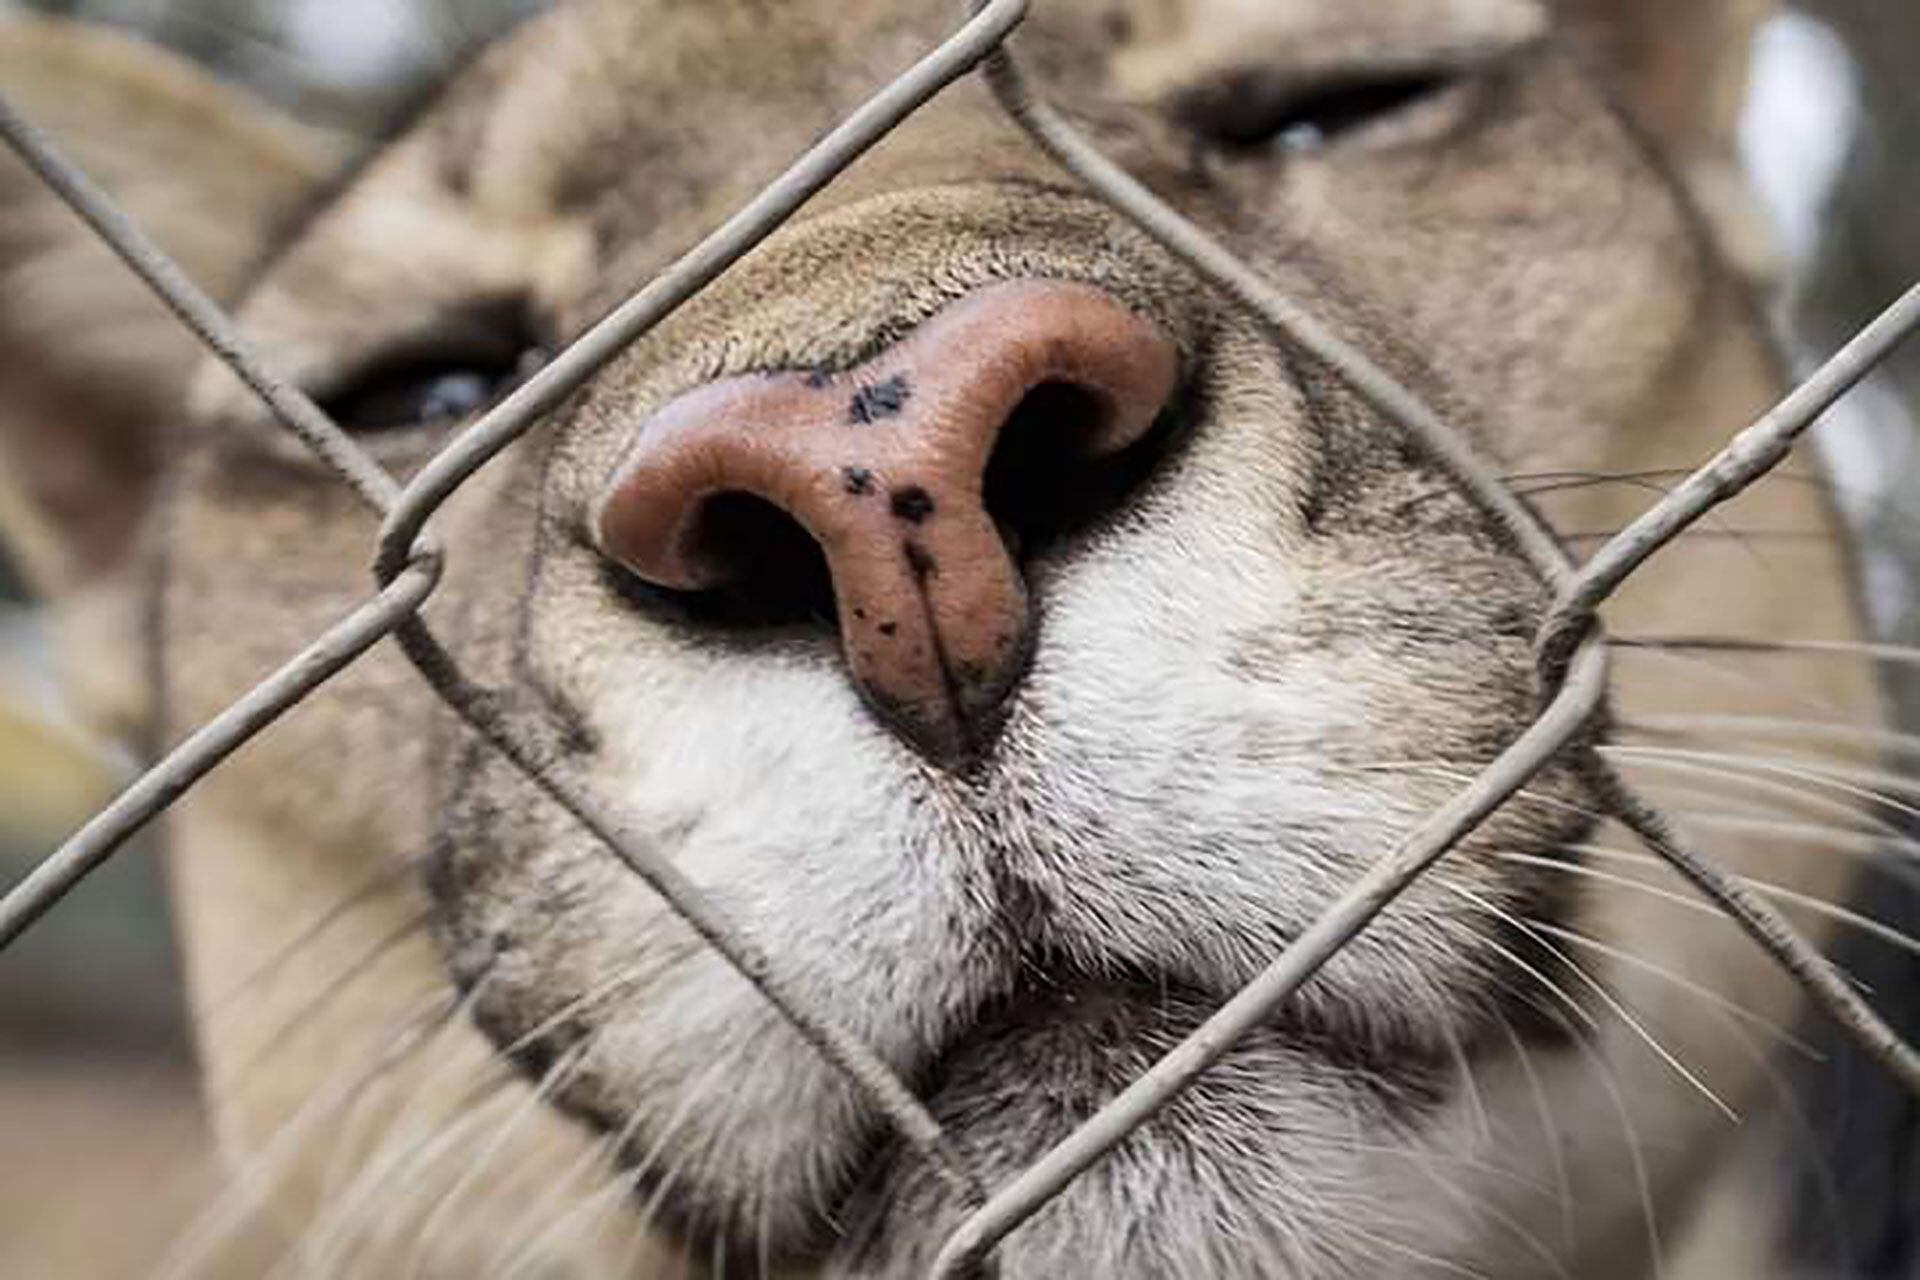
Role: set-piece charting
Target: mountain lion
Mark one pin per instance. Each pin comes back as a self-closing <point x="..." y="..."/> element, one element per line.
<point x="1004" y="629"/>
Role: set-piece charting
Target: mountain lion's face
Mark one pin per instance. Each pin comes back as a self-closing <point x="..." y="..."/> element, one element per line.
<point x="1010" y="635"/>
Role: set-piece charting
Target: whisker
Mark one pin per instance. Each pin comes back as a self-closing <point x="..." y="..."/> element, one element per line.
<point x="359" y="967"/>
<point x="1408" y="1251"/>
<point x="1636" y="1157"/>
<point x="1727" y="673"/>
<point x="1534" y="971"/>
<point x="763" y="1234"/>
<point x="332" y="1239"/>
<point x="1803" y="785"/>
<point x="1876" y="785"/>
<point x="600" y="1151"/>
<point x="348" y="1128"/>
<point x="355" y="1171"/>
<point x="194" y="1250"/>
<point x="1565" y="482"/>
<point x="1606" y="997"/>
<point x="409" y="1156"/>
<point x="1731" y="1016"/>
<point x="1431" y="1160"/>
<point x="367" y="891"/>
<point x="219" y="1009"/>
<point x="1453" y="772"/>
<point x="1549" y="1129"/>
<point x="1703" y="534"/>
<point x="1476" y="1105"/>
<point x="1897" y="857"/>
<point x="1536" y="481"/>
<point x="1878" y="650"/>
<point x="1596" y="1060"/>
<point x="1843" y="915"/>
<point x="342" y="1137"/>
<point x="1882" y="739"/>
<point x="622" y="1181"/>
<point x="1874" y="834"/>
<point x="1768" y="801"/>
<point x="533" y="1103"/>
<point x="1545" y="484"/>
<point x="1730" y="1007"/>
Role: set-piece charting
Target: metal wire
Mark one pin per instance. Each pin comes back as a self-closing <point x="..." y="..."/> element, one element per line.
<point x="523" y="738"/>
<point x="985" y="29"/>
<point x="196" y="310"/>
<point x="1579" y="695"/>
<point x="207" y="746"/>
<point x="1578" y="680"/>
<point x="407" y="565"/>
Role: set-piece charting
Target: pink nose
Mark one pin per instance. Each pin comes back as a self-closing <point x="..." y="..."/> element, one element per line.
<point x="884" y="467"/>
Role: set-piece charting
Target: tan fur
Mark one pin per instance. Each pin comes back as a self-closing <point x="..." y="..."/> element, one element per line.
<point x="1516" y="255"/>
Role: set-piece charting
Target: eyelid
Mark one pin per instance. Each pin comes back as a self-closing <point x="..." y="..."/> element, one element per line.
<point x="1305" y="78"/>
<point x="1318" y="46"/>
<point x="505" y="332"/>
<point x="1385" y="101"/>
<point x="497" y="331"/>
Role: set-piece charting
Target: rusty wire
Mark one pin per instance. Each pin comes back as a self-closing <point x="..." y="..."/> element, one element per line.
<point x="407" y="563"/>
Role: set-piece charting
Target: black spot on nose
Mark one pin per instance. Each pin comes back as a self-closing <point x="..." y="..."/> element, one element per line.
<point x="858" y="480"/>
<point x="912" y="504"/>
<point x="880" y="400"/>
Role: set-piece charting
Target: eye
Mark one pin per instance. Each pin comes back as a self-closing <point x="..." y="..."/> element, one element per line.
<point x="1256" y="110"/>
<point x="416" y="393"/>
<point x="450" y="374"/>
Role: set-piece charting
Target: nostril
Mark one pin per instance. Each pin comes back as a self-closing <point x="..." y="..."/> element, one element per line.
<point x="766" y="570"/>
<point x="1048" y="477"/>
<point x="898" y="499"/>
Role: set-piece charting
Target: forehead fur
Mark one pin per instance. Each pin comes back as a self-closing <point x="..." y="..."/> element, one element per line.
<point x="585" y="100"/>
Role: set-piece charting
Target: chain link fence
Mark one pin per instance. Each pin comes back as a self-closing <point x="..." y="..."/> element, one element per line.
<point x="407" y="561"/>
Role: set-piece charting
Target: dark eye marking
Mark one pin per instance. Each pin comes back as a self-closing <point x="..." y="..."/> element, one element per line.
<point x="452" y="372"/>
<point x="1256" y="109"/>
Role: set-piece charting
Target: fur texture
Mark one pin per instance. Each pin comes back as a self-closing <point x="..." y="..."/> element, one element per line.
<point x="1290" y="643"/>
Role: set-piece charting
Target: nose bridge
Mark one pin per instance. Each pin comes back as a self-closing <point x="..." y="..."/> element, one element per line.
<point x="869" y="259"/>
<point x="884" y="467"/>
<point x="963" y="138"/>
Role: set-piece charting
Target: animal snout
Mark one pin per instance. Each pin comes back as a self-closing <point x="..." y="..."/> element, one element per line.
<point x="919" y="476"/>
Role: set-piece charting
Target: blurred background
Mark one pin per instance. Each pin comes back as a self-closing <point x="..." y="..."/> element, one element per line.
<point x="1828" y="142"/>
<point x="102" y="971"/>
<point x="96" y="1085"/>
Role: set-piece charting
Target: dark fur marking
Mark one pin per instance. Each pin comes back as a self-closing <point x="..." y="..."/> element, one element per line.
<point x="858" y="480"/>
<point x="912" y="504"/>
<point x="920" y="560"/>
<point x="889" y="628"/>
<point x="880" y="400"/>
